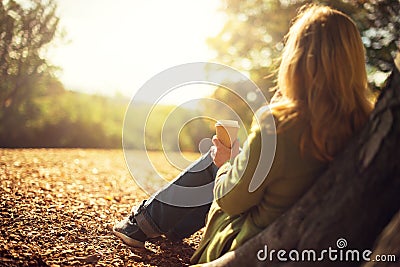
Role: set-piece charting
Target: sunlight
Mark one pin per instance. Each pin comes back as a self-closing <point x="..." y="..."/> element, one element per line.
<point x="190" y="93"/>
<point x="116" y="46"/>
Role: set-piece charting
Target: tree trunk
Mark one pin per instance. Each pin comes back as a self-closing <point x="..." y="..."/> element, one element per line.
<point x="388" y="246"/>
<point x="352" y="201"/>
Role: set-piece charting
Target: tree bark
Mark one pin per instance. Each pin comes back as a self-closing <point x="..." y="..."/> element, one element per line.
<point x="388" y="246"/>
<point x="354" y="199"/>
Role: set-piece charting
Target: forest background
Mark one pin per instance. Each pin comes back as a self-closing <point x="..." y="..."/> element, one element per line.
<point x="37" y="110"/>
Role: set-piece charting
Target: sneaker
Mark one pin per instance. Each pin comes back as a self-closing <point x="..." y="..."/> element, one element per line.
<point x="129" y="232"/>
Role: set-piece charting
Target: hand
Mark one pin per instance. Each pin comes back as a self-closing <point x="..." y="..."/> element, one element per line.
<point x="221" y="154"/>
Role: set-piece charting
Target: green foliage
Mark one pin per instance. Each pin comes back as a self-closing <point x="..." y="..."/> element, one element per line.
<point x="252" y="36"/>
<point x="238" y="101"/>
<point x="251" y="39"/>
<point x="24" y="34"/>
<point x="70" y="119"/>
<point x="25" y="30"/>
<point x="166" y="127"/>
<point x="379" y="22"/>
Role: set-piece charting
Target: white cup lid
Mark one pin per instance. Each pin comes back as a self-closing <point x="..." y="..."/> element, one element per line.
<point x="228" y="123"/>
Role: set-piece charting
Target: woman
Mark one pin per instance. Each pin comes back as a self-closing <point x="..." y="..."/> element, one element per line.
<point x="322" y="84"/>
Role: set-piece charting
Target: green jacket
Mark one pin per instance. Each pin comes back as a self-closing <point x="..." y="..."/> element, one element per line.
<point x="238" y="215"/>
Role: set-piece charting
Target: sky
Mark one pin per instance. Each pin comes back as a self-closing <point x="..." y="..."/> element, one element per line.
<point x="115" y="46"/>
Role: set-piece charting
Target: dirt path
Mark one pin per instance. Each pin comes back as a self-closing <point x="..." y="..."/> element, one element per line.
<point x="57" y="208"/>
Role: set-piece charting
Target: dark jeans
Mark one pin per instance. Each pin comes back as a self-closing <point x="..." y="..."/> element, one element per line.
<point x="155" y="217"/>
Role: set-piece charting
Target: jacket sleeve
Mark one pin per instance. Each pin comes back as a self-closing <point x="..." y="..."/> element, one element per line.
<point x="233" y="191"/>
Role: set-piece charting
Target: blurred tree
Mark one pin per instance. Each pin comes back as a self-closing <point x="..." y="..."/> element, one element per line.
<point x="251" y="40"/>
<point x="379" y="21"/>
<point x="26" y="28"/>
<point x="237" y="101"/>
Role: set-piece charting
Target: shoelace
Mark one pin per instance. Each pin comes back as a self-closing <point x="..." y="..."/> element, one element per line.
<point x="134" y="211"/>
<point x="131" y="218"/>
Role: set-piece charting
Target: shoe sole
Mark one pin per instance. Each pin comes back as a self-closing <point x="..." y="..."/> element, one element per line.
<point x="129" y="241"/>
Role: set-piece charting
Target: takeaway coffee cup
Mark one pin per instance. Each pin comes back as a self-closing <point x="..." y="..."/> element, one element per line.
<point x="227" y="131"/>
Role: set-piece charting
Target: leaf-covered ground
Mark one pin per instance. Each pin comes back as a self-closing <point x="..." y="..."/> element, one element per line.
<point x="57" y="208"/>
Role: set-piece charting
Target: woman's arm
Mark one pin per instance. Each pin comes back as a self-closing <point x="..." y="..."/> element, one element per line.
<point x="231" y="189"/>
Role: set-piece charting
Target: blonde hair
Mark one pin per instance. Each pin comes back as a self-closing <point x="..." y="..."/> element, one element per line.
<point x="322" y="79"/>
